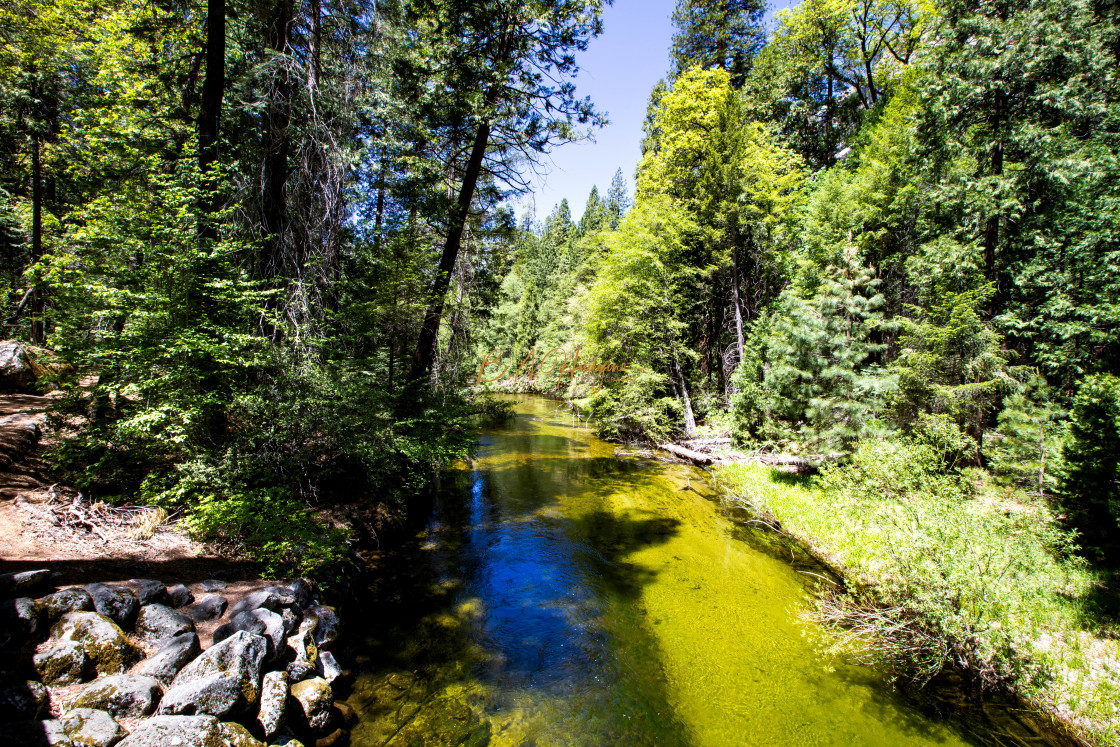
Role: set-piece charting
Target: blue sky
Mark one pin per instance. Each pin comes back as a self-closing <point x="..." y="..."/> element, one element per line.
<point x="618" y="70"/>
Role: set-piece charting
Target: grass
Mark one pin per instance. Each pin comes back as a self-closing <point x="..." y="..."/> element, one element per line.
<point x="945" y="566"/>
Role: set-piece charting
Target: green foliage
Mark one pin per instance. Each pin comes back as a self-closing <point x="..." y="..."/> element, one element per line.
<point x="1029" y="439"/>
<point x="1091" y="484"/>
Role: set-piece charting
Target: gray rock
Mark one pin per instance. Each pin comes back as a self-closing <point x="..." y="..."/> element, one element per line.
<point x="303" y="653"/>
<point x="314" y="698"/>
<point x="67" y="600"/>
<point x="149" y="592"/>
<point x="273" y="629"/>
<point x="65" y="664"/>
<point x="175" y="731"/>
<point x="156" y="624"/>
<point x="224" y="680"/>
<point x="327" y="625"/>
<point x="213" y="584"/>
<point x="23" y="617"/>
<point x="87" y="726"/>
<point x="179" y="595"/>
<point x="38" y="734"/>
<point x="292" y="617"/>
<point x="303" y="591"/>
<point x="16" y="373"/>
<point x="175" y="654"/>
<point x="24" y="581"/>
<point x="115" y="602"/>
<point x="236" y="735"/>
<point x="327" y="667"/>
<point x="20" y="701"/>
<point x="122" y="695"/>
<point x="268" y="599"/>
<point x="274" y="698"/>
<point x="208" y="608"/>
<point x="104" y="643"/>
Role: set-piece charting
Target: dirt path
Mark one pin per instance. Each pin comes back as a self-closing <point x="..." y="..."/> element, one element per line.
<point x="37" y="527"/>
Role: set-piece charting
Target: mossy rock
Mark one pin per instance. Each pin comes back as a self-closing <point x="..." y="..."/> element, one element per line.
<point x="102" y="640"/>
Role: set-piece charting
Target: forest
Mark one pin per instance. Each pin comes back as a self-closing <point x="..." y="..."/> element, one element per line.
<point x="273" y="250"/>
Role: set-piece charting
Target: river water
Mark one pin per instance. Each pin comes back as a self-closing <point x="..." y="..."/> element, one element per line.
<point x="558" y="595"/>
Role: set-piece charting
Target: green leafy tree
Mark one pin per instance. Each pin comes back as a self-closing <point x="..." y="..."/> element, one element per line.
<point x="1091" y="484"/>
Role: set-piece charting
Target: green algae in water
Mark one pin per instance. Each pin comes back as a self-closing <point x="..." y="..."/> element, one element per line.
<point x="559" y="595"/>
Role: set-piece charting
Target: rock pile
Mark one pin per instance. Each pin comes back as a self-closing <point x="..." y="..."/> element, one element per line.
<point x="123" y="664"/>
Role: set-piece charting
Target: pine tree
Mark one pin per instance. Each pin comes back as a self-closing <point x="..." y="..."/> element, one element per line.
<point x="718" y="33"/>
<point x="618" y="200"/>
<point x="1091" y="486"/>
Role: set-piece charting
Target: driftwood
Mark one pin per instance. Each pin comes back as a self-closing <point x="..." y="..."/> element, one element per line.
<point x="693" y="456"/>
<point x="707" y="441"/>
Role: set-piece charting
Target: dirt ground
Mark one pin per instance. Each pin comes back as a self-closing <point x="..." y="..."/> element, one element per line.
<point x="42" y="526"/>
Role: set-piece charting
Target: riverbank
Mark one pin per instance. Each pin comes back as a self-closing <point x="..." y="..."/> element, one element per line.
<point x="974" y="582"/>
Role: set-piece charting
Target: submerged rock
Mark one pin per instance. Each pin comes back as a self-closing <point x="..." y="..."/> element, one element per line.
<point x="274" y="699"/>
<point x="67" y="600"/>
<point x="210" y="607"/>
<point x="175" y="654"/>
<point x="315" y="699"/>
<point x="122" y="695"/>
<point x="446" y="721"/>
<point x="224" y="680"/>
<point x="157" y="623"/>
<point x="65" y="664"/>
<point x="179" y="595"/>
<point x="87" y="726"/>
<point x="115" y="602"/>
<point x="103" y="641"/>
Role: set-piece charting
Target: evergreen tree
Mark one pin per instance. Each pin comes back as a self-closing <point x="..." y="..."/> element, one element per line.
<point x="618" y="199"/>
<point x="1091" y="485"/>
<point x="717" y="33"/>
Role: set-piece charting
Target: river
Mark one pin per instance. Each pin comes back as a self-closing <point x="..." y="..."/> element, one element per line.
<point x="559" y="595"/>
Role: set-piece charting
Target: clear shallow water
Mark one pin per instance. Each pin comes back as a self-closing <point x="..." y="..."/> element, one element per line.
<point x="561" y="596"/>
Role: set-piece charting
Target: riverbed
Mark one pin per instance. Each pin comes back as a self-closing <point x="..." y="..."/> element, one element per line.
<point x="560" y="595"/>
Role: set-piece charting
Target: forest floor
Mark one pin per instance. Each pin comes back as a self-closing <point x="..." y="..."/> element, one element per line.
<point x="45" y="523"/>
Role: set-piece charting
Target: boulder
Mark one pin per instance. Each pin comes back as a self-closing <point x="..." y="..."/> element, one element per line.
<point x="104" y="643"/>
<point x="67" y="600"/>
<point x="225" y="680"/>
<point x="236" y="735"/>
<point x="312" y="701"/>
<point x="24" y="581"/>
<point x="274" y="699"/>
<point x="303" y="654"/>
<point x="271" y="627"/>
<point x="115" y="602"/>
<point x="175" y="654"/>
<point x="303" y="591"/>
<point x="179" y="595"/>
<point x="22" y="617"/>
<point x="210" y="607"/>
<point x="20" y="701"/>
<point x="270" y="599"/>
<point x="292" y="617"/>
<point x="65" y="664"/>
<point x="157" y="624"/>
<point x="212" y="584"/>
<point x="38" y="734"/>
<point x="149" y="592"/>
<point x="122" y="695"/>
<point x="327" y="625"/>
<point x="87" y="726"/>
<point x="327" y="667"/>
<point x="16" y="372"/>
<point x="175" y="731"/>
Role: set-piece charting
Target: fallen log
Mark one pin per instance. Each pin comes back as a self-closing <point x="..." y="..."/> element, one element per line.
<point x="693" y="456"/>
<point x="707" y="441"/>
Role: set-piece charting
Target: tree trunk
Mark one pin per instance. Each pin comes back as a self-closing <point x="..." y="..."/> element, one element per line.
<point x="425" y="347"/>
<point x="38" y="299"/>
<point x="276" y="155"/>
<point x="210" y="113"/>
<point x="689" y="417"/>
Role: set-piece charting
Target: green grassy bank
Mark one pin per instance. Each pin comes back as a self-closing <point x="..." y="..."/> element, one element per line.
<point x="945" y="567"/>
